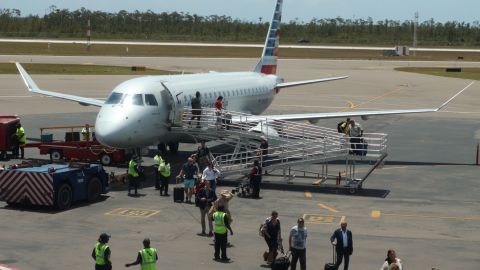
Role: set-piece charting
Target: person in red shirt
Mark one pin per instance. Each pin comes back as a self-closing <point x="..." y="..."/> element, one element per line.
<point x="219" y="103"/>
<point x="256" y="179"/>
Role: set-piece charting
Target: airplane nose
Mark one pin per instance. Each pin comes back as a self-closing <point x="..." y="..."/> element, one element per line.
<point x="110" y="131"/>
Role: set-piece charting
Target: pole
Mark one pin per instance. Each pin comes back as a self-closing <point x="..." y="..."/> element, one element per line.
<point x="478" y="152"/>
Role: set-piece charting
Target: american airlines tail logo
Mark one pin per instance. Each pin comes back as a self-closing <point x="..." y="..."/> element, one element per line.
<point x="270" y="52"/>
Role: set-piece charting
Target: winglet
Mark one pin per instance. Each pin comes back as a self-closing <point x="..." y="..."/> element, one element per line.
<point x="31" y="85"/>
<point x="452" y="98"/>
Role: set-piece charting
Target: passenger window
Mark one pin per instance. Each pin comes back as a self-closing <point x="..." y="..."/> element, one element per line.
<point x="150" y="100"/>
<point x="114" y="98"/>
<point x="137" y="99"/>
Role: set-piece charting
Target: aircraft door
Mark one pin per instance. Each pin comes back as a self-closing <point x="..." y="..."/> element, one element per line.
<point x="173" y="114"/>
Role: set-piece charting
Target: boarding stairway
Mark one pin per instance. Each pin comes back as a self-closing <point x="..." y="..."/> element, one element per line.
<point x="290" y="143"/>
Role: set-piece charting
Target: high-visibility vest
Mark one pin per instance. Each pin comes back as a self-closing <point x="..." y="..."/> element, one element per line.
<point x="158" y="160"/>
<point x="219" y="219"/>
<point x="131" y="168"/>
<point x="164" y="169"/>
<point x="149" y="259"/>
<point x="100" y="253"/>
<point x="21" y="135"/>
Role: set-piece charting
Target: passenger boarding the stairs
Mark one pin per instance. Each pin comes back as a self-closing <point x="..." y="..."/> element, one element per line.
<point x="355" y="133"/>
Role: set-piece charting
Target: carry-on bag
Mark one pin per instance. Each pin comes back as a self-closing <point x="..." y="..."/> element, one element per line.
<point x="332" y="265"/>
<point x="281" y="262"/>
<point x="178" y="192"/>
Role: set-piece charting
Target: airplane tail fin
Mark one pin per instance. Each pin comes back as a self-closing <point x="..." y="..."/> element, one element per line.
<point x="268" y="62"/>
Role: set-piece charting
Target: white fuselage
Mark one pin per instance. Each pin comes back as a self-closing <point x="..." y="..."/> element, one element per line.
<point x="131" y="117"/>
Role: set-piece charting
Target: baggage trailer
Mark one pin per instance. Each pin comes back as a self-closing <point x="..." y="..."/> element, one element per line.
<point x="57" y="185"/>
<point x="8" y="127"/>
<point x="75" y="149"/>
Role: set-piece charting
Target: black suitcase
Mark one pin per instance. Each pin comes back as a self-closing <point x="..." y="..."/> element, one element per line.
<point x="281" y="263"/>
<point x="332" y="265"/>
<point x="178" y="193"/>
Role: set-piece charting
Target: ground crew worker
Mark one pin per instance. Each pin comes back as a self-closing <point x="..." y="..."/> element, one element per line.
<point x="101" y="253"/>
<point x="221" y="228"/>
<point x="164" y="170"/>
<point x="133" y="175"/>
<point x="86" y="133"/>
<point x="158" y="160"/>
<point x="22" y="139"/>
<point x="147" y="257"/>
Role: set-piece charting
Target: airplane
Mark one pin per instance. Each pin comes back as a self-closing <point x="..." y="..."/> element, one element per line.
<point x="139" y="111"/>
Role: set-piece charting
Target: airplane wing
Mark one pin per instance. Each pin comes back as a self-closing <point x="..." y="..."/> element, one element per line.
<point x="32" y="87"/>
<point x="292" y="84"/>
<point x="316" y="116"/>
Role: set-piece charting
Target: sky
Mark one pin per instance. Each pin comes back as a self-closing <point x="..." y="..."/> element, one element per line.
<point x="251" y="10"/>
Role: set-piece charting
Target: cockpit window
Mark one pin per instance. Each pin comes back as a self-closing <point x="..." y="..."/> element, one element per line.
<point x="114" y="98"/>
<point x="135" y="99"/>
<point x="150" y="100"/>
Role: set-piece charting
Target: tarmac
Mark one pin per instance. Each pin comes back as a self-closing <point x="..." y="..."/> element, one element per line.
<point x="429" y="212"/>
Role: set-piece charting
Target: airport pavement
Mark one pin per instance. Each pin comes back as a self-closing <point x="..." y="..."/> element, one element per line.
<point x="430" y="214"/>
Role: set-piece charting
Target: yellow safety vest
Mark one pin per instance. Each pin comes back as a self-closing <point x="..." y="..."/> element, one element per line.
<point x="131" y="168"/>
<point x="164" y="169"/>
<point x="158" y="159"/>
<point x="100" y="253"/>
<point x="149" y="259"/>
<point x="21" y="135"/>
<point x="219" y="219"/>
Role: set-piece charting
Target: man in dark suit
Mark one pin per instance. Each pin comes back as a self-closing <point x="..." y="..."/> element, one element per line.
<point x="204" y="199"/>
<point x="343" y="242"/>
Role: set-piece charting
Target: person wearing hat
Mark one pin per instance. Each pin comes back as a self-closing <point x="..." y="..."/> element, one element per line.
<point x="21" y="139"/>
<point x="343" y="242"/>
<point x="133" y="174"/>
<point x="225" y="197"/>
<point x="101" y="253"/>
<point x="147" y="257"/>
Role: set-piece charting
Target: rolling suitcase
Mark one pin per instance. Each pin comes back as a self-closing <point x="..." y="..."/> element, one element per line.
<point x="332" y="265"/>
<point x="282" y="262"/>
<point x="178" y="193"/>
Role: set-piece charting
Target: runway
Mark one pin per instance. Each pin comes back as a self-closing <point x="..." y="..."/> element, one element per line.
<point x="231" y="45"/>
<point x="430" y="216"/>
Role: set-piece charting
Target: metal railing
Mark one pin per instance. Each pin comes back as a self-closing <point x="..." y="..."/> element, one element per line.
<point x="290" y="142"/>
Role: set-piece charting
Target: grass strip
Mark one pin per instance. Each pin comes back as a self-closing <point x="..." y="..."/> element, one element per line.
<point x="466" y="73"/>
<point x="199" y="51"/>
<point x="72" y="69"/>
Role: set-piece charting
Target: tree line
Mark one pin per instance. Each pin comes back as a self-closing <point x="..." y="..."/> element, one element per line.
<point x="175" y="26"/>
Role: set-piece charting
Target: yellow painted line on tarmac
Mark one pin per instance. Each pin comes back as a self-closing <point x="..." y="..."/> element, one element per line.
<point x="373" y="98"/>
<point x="328" y="208"/>
<point x="318" y="219"/>
<point x="351" y="104"/>
<point x="308" y="194"/>
<point x="377" y="214"/>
